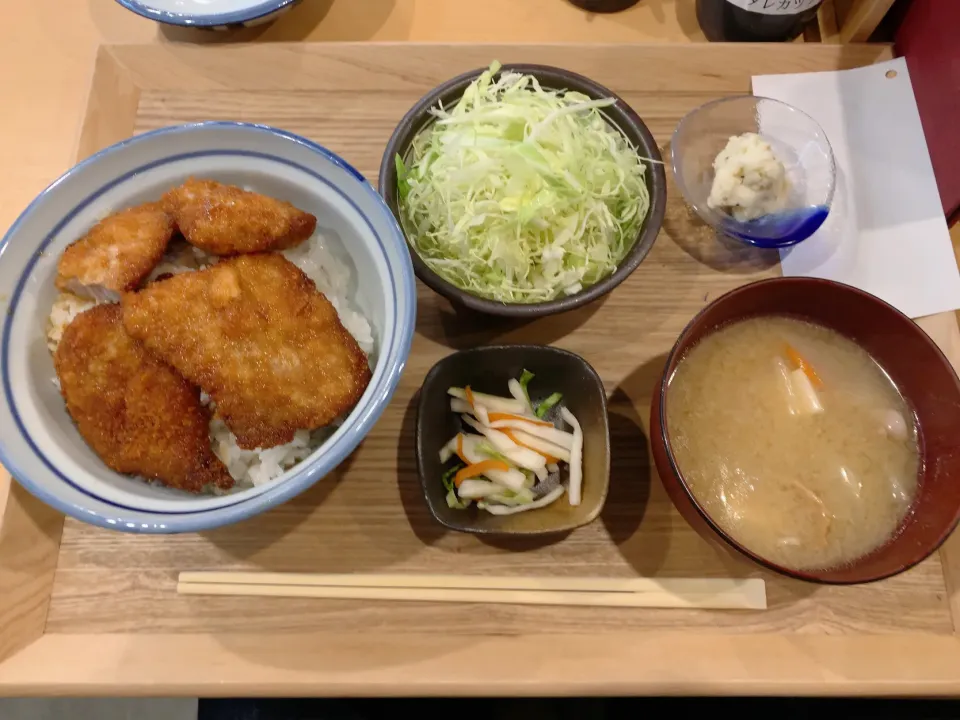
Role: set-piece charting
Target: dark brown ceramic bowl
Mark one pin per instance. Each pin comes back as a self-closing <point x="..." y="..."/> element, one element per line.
<point x="487" y="369"/>
<point x="914" y="363"/>
<point x="620" y="115"/>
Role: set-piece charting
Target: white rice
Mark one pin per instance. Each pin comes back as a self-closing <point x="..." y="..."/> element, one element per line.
<point x="258" y="467"/>
<point x="181" y="258"/>
<point x="65" y="308"/>
<point x="333" y="278"/>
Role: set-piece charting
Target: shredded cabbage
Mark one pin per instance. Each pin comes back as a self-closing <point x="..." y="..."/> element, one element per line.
<point x="522" y="194"/>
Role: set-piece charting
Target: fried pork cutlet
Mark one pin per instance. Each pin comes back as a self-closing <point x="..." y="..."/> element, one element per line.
<point x="117" y="253"/>
<point x="227" y="220"/>
<point x="135" y="411"/>
<point x="256" y="334"/>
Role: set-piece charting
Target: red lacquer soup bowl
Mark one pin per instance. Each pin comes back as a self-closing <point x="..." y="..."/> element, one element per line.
<point x="911" y="359"/>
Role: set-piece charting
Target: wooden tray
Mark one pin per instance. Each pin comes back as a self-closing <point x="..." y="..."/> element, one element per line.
<point x="85" y="611"/>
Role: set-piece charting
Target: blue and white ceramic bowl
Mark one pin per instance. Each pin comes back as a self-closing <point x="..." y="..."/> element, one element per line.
<point x="211" y="14"/>
<point x="39" y="443"/>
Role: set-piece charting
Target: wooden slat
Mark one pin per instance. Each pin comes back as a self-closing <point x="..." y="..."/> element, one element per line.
<point x="29" y="540"/>
<point x="30" y="532"/>
<point x="408" y="68"/>
<point x="828" y="31"/>
<point x="858" y="19"/>
<point x="111" y="106"/>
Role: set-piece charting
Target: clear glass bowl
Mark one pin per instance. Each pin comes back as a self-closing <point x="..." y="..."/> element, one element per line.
<point x="797" y="140"/>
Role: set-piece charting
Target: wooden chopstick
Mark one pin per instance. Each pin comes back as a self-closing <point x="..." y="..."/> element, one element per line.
<point x="715" y="593"/>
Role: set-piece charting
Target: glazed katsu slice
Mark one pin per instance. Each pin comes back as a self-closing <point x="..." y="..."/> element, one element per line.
<point x="228" y="220"/>
<point x="256" y="335"/>
<point x="136" y="412"/>
<point x="116" y="254"/>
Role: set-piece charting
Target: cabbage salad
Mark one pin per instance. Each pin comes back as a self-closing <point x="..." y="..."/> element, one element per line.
<point x="510" y="463"/>
<point x="522" y="194"/>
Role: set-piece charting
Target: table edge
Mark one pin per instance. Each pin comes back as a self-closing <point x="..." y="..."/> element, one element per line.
<point x="338" y="664"/>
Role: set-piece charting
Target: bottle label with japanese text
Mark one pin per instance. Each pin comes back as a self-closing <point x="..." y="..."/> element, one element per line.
<point x="776" y="7"/>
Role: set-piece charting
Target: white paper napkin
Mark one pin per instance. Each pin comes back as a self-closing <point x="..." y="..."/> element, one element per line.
<point x="886" y="233"/>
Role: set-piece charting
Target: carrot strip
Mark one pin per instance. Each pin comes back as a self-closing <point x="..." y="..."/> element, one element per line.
<point x="460" y="449"/>
<point x="478" y="469"/>
<point x="469" y="393"/>
<point x="798" y="360"/>
<point x="495" y="416"/>
<point x="509" y="433"/>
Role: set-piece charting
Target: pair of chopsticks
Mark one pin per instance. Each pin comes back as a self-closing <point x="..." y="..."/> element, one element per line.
<point x="701" y="593"/>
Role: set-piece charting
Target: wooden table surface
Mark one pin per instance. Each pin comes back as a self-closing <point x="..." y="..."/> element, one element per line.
<point x="46" y="96"/>
<point x="52" y="43"/>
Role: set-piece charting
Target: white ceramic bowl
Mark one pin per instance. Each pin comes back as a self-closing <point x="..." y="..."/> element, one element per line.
<point x="39" y="443"/>
<point x="210" y="14"/>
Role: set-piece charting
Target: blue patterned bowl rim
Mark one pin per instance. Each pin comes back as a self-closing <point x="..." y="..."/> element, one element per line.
<point x="256" y="11"/>
<point x="130" y="519"/>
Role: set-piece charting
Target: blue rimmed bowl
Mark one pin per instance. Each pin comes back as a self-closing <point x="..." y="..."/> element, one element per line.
<point x="39" y="443"/>
<point x="211" y="14"/>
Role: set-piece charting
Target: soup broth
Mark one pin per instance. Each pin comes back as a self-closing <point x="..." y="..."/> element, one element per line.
<point x="794" y="440"/>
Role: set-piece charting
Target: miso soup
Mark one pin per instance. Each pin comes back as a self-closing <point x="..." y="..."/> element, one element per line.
<point x="794" y="440"/>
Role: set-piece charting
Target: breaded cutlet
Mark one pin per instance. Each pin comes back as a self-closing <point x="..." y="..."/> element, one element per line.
<point x="136" y="412"/>
<point x="228" y="220"/>
<point x="256" y="335"/>
<point x="117" y="253"/>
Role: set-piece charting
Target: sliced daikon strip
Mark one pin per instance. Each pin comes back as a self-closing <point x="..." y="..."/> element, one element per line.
<point x="516" y="454"/>
<point x="460" y="406"/>
<point x="511" y="479"/>
<point x="493" y="403"/>
<point x="808" y="402"/>
<point x="481" y="412"/>
<point x="789" y="392"/>
<point x="547" y="499"/>
<point x="576" y="457"/>
<point x="544" y="447"/>
<point x="448" y="450"/>
<point x="472" y="488"/>
<point x="559" y="437"/>
<point x="521" y="498"/>
<point x="516" y="389"/>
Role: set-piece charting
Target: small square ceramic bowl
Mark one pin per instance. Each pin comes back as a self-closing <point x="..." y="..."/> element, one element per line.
<point x="487" y="370"/>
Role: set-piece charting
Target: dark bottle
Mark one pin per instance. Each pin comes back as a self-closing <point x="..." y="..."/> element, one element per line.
<point x="604" y="6"/>
<point x="755" y="20"/>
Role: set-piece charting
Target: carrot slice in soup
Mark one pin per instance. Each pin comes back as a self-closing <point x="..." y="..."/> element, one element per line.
<point x="800" y="362"/>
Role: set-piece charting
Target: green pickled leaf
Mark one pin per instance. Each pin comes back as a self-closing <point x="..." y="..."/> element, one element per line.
<point x="525" y="377"/>
<point x="547" y="405"/>
<point x="447" y="478"/>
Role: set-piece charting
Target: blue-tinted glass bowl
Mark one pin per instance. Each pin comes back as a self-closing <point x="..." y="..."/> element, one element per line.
<point x="797" y="140"/>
